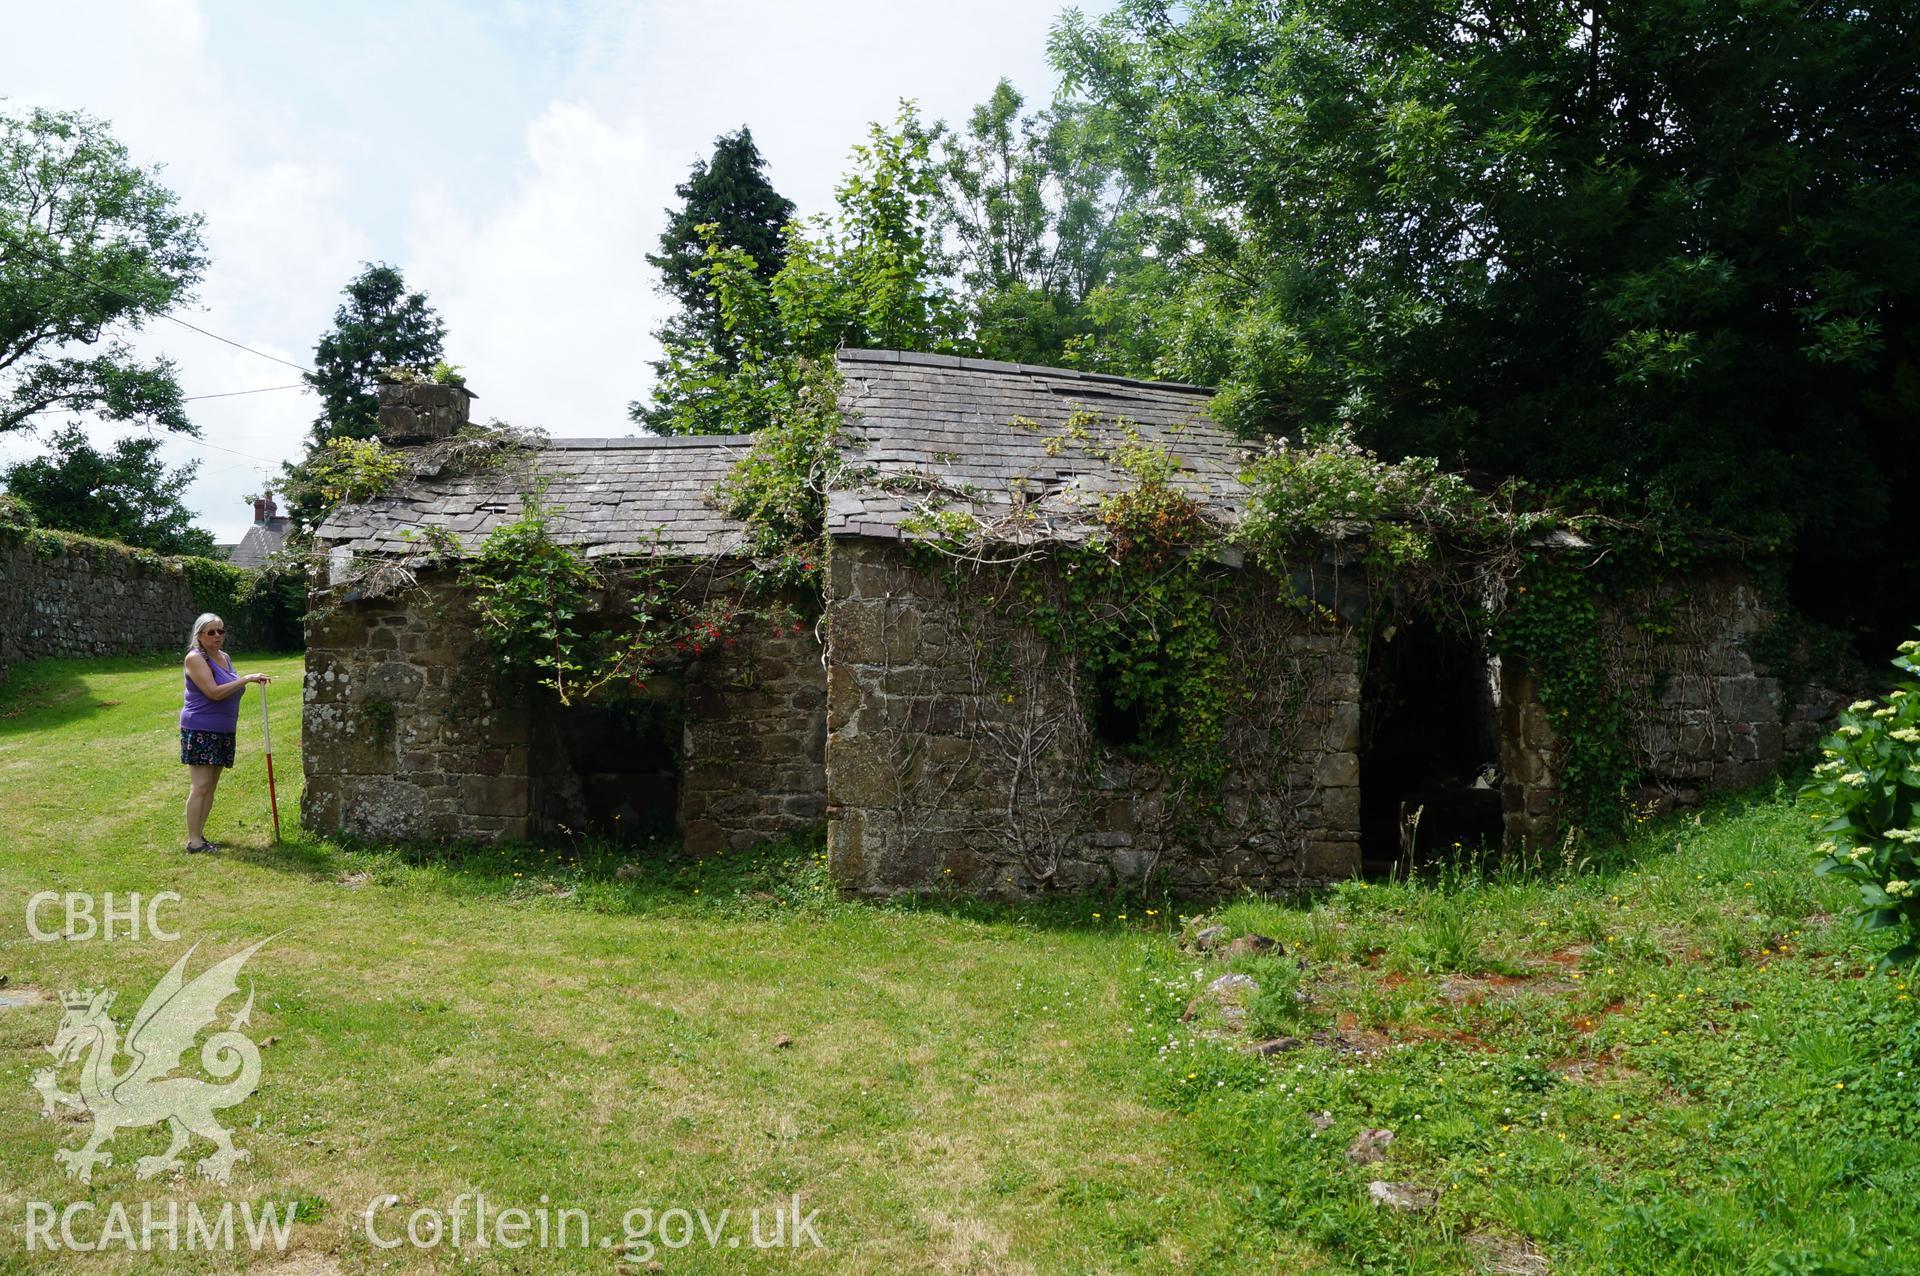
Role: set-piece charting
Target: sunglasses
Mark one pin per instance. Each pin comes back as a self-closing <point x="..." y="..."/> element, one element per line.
<point x="215" y="632"/>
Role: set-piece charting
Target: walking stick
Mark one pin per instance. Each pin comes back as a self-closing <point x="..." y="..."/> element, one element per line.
<point x="266" y="735"/>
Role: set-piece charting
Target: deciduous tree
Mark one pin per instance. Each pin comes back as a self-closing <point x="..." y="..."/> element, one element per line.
<point x="1665" y="251"/>
<point x="1039" y="213"/>
<point x="126" y="493"/>
<point x="92" y="246"/>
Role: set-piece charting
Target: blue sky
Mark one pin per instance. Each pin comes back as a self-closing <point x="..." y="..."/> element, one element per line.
<point x="512" y="158"/>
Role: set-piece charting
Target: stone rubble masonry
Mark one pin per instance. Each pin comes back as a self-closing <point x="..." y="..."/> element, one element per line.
<point x="98" y="599"/>
<point x="1704" y="713"/>
<point x="420" y="411"/>
<point x="407" y="739"/>
<point x="756" y="740"/>
<point x="943" y="744"/>
<point x="404" y="739"/>
<point x="947" y="749"/>
<point x="946" y="771"/>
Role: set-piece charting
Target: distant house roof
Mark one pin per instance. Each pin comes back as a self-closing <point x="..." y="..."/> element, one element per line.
<point x="607" y="496"/>
<point x="1025" y="449"/>
<point x="262" y="541"/>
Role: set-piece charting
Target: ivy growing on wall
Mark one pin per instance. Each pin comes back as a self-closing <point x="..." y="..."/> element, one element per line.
<point x="547" y="611"/>
<point x="1138" y="603"/>
<point x="267" y="601"/>
<point x="779" y="488"/>
<point x="1138" y="609"/>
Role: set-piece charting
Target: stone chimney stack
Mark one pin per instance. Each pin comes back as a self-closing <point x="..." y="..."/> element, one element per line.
<point x="421" y="411"/>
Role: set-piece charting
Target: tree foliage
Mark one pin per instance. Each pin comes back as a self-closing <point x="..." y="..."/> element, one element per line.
<point x="1039" y="213"/>
<point x="1666" y="252"/>
<point x="872" y="273"/>
<point x="731" y="194"/>
<point x="91" y="247"/>
<point x="126" y="493"/>
<point x="379" y="325"/>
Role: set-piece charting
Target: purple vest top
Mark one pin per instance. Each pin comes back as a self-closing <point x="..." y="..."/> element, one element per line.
<point x="202" y="714"/>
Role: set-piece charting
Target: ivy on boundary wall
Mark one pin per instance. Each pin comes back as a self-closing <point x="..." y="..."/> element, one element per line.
<point x="266" y="602"/>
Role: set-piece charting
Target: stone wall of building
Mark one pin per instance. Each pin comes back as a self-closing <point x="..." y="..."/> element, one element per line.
<point x="1705" y="713"/>
<point x="404" y="738"/>
<point x="756" y="738"/>
<point x="960" y="755"/>
<point x="63" y="596"/>
<point x="1529" y="760"/>
<point x="407" y="737"/>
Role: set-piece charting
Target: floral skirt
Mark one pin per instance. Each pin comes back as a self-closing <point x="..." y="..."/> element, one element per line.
<point x="206" y="748"/>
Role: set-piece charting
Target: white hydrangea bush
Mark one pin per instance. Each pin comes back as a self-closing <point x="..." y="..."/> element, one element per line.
<point x="1866" y="793"/>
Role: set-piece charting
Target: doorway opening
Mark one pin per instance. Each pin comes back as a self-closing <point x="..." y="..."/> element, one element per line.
<point x="610" y="771"/>
<point x="1429" y="746"/>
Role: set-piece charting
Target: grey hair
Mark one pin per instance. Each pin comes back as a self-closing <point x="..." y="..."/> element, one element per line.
<point x="193" y="639"/>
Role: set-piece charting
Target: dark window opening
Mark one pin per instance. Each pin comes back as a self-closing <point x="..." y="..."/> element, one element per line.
<point x="1117" y="723"/>
<point x="610" y="770"/>
<point x="1429" y="746"/>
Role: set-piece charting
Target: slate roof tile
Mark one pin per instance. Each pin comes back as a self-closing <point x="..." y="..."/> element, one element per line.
<point x="607" y="495"/>
<point x="986" y="429"/>
<point x="912" y="419"/>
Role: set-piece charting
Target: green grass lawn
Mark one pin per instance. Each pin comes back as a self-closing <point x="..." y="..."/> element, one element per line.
<point x="1669" y="1057"/>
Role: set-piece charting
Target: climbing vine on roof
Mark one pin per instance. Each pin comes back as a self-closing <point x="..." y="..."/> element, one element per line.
<point x="547" y="611"/>
<point x="779" y="488"/>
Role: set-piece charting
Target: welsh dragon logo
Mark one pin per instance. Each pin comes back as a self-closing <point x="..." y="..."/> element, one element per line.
<point x="144" y="1092"/>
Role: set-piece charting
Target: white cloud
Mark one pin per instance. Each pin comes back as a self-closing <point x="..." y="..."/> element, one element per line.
<point x="512" y="159"/>
<point x="279" y="239"/>
<point x="546" y="293"/>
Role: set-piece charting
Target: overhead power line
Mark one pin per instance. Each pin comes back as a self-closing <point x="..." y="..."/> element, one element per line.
<point x="267" y="460"/>
<point x="236" y="345"/>
<point x="191" y="441"/>
<point x="71" y="273"/>
<point x="231" y="394"/>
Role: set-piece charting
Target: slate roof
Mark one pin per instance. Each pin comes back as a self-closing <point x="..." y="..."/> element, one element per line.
<point x="608" y="496"/>
<point x="262" y="541"/>
<point x="921" y="431"/>
<point x="934" y="431"/>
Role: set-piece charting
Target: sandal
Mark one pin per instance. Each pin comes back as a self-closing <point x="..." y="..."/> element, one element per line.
<point x="205" y="847"/>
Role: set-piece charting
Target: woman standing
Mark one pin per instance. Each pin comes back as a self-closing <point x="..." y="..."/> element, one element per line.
<point x="208" y="721"/>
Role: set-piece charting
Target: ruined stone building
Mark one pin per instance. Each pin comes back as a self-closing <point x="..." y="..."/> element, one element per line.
<point x="921" y="716"/>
